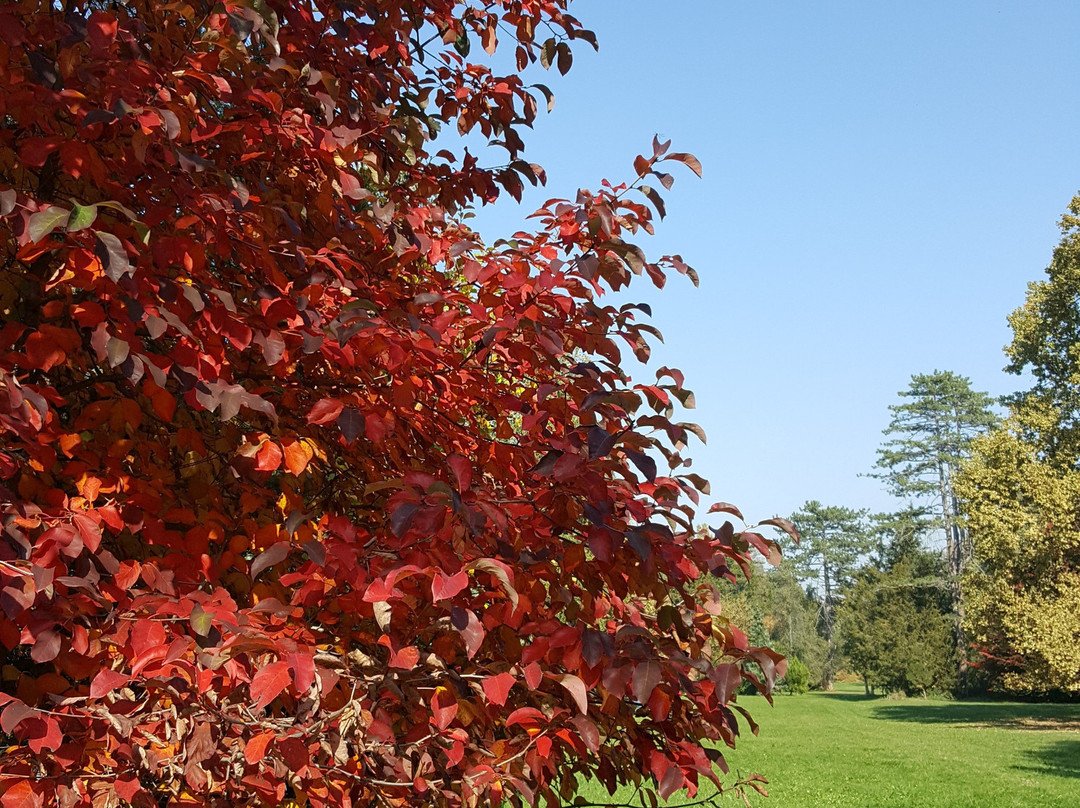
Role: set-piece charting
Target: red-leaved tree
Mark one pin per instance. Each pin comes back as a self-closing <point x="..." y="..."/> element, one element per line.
<point x="306" y="493"/>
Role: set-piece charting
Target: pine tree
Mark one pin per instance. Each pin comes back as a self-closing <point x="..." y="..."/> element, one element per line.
<point x="929" y="436"/>
<point x="833" y="540"/>
<point x="895" y="621"/>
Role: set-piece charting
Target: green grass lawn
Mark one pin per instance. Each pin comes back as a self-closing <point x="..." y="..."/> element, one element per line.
<point x="846" y="750"/>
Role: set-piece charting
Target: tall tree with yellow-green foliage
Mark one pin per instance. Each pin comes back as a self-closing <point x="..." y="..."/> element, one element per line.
<point x="1021" y="490"/>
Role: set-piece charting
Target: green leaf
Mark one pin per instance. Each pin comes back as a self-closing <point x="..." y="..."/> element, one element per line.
<point x="82" y="216"/>
<point x="45" y="221"/>
<point x="201" y="621"/>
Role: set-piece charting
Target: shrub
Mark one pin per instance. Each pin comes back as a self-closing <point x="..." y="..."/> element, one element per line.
<point x="797" y="678"/>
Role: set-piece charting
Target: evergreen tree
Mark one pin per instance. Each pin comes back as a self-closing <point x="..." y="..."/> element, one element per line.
<point x="928" y="437"/>
<point x="895" y="619"/>
<point x="833" y="540"/>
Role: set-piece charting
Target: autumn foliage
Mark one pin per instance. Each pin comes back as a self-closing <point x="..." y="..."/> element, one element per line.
<point x="307" y="494"/>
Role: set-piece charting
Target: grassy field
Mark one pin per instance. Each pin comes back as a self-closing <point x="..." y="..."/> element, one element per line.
<point x="844" y="750"/>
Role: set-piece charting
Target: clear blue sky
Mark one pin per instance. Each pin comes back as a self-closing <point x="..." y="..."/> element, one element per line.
<point x="882" y="180"/>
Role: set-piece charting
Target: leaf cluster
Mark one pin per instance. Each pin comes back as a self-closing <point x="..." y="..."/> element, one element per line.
<point x="308" y="495"/>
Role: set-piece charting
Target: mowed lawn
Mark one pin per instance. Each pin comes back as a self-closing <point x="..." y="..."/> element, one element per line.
<point x="845" y="750"/>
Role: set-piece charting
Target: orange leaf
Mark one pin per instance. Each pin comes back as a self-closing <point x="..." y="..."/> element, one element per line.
<point x="297" y="455"/>
<point x="69" y="442"/>
<point x="255" y="750"/>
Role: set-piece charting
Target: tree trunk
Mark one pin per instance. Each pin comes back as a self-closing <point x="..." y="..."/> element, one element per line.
<point x="830" y="659"/>
<point x="955" y="552"/>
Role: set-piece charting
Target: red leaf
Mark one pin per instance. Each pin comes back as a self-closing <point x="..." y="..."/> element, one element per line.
<point x="659" y="705"/>
<point x="444" y="706"/>
<point x="543" y="746"/>
<point x="671" y="782"/>
<point x="471" y="629"/>
<point x="462" y="471"/>
<point x="127" y="787"/>
<point x="647" y="676"/>
<point x="405" y="658"/>
<point x="269" y="456"/>
<point x="768" y="548"/>
<point x="106" y="681"/>
<point x="325" y="411"/>
<point x="784" y="524"/>
<point x="726" y="507"/>
<point x="727" y="679"/>
<point x="456" y="752"/>
<point x="297" y="456"/>
<point x="687" y="160"/>
<point x="525" y="715"/>
<point x="255" y="749"/>
<point x="46" y="646"/>
<point x="303" y="668"/>
<point x="22" y="794"/>
<point x="501" y="573"/>
<point x="42" y="352"/>
<point x="588" y="731"/>
<point x="101" y="31"/>
<point x="444" y="587"/>
<point x="269" y="682"/>
<point x="381" y="590"/>
<point x="497" y="688"/>
<point x="14" y="714"/>
<point x="50" y="739"/>
<point x="534" y="674"/>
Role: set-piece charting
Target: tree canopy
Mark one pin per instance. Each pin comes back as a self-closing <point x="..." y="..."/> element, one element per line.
<point x="307" y="493"/>
<point x="1021" y="491"/>
<point x="833" y="540"/>
<point x="930" y="435"/>
<point x="895" y="619"/>
<point x="1046" y="336"/>
<point x="1023" y="590"/>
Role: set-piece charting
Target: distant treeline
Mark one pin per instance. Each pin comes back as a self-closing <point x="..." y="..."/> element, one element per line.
<point x="973" y="583"/>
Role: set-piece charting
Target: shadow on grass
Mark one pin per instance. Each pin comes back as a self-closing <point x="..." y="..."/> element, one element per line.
<point x="1009" y="715"/>
<point x="1060" y="759"/>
